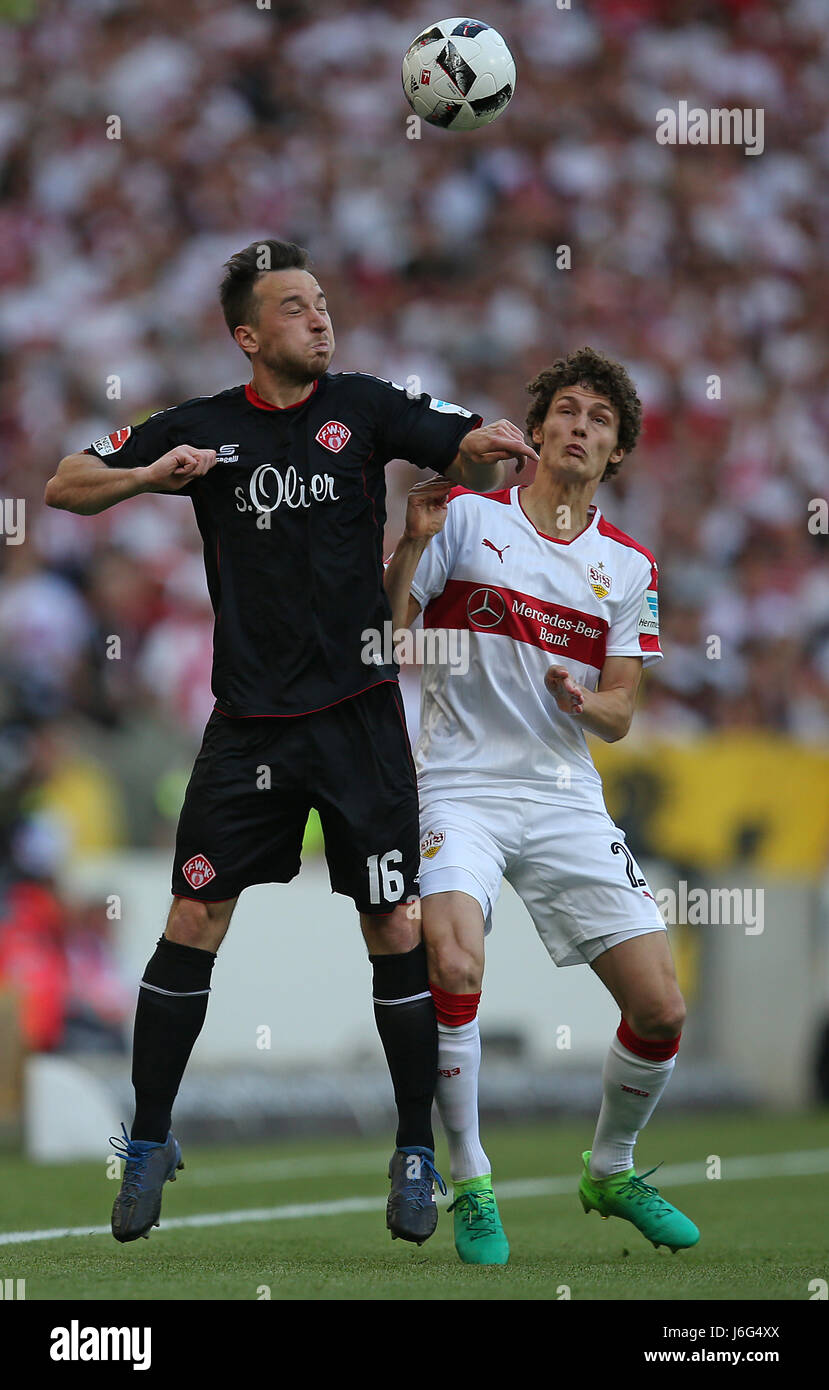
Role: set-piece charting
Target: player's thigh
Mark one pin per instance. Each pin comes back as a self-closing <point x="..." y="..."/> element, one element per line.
<point x="453" y="930"/>
<point x="640" y="974"/>
<point x="463" y="849"/>
<point x="580" y="884"/>
<point x="366" y="795"/>
<point x="244" y="811"/>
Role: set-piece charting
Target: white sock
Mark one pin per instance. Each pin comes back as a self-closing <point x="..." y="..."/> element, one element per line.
<point x="633" y="1087"/>
<point x="459" y="1055"/>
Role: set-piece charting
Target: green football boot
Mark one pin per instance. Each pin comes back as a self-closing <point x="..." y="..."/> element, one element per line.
<point x="479" y="1235"/>
<point x="634" y="1200"/>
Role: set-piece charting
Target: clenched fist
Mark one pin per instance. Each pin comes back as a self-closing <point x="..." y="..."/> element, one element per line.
<point x="175" y="469"/>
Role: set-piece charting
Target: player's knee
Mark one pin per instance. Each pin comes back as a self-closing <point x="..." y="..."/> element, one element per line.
<point x="452" y="968"/>
<point x="662" y="1019"/>
<point x="394" y="933"/>
<point x="190" y="924"/>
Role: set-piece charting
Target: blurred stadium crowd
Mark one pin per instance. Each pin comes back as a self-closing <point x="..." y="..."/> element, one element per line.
<point x="441" y="260"/>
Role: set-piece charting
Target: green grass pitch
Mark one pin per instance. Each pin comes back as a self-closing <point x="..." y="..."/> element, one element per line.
<point x="763" y="1235"/>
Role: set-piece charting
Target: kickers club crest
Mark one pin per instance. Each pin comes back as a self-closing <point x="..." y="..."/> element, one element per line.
<point x="431" y="843"/>
<point x="198" y="871"/>
<point x="333" y="436"/>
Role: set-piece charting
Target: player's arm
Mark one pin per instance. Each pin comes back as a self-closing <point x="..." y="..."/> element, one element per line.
<point x="606" y="711"/>
<point x="83" y="483"/>
<point x="426" y="510"/>
<point x="480" y="463"/>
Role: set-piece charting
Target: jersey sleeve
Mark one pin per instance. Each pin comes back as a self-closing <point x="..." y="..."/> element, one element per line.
<point x="137" y="446"/>
<point x="635" y="629"/>
<point x="437" y="561"/>
<point x="425" y="431"/>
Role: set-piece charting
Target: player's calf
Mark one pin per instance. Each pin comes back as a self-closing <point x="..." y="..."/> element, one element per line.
<point x="405" y="1018"/>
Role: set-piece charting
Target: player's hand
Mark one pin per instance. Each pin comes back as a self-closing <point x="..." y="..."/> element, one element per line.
<point x="175" y="469"/>
<point x="567" y="694"/>
<point x="426" y="508"/>
<point x="494" y="443"/>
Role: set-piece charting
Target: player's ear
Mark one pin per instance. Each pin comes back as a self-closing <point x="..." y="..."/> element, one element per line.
<point x="245" y="338"/>
<point x="616" y="456"/>
<point x="537" y="435"/>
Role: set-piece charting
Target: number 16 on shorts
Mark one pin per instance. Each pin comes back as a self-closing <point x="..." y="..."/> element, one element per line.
<point x="385" y="881"/>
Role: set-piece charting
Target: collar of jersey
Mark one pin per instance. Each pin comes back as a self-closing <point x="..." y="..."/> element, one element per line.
<point x="255" y="399"/>
<point x="593" y="514"/>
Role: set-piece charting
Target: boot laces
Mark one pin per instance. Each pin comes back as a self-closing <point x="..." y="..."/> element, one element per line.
<point x="478" y="1210"/>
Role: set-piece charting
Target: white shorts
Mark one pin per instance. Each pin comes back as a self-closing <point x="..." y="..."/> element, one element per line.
<point x="572" y="870"/>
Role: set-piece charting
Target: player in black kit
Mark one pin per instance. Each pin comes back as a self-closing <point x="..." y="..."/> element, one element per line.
<point x="286" y="475"/>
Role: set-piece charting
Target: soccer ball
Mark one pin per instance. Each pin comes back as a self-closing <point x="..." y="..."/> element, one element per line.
<point x="458" y="74"/>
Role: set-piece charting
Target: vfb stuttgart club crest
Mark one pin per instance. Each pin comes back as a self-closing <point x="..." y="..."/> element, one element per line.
<point x="599" y="580"/>
<point x="431" y="843"/>
<point x="198" y="871"/>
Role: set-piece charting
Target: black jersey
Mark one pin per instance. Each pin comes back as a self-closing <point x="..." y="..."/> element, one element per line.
<point x="292" y="519"/>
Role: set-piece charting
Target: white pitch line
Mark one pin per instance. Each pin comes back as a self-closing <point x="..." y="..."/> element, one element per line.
<point x="798" y="1163"/>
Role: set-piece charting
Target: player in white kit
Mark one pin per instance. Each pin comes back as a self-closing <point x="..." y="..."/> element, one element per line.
<point x="560" y="611"/>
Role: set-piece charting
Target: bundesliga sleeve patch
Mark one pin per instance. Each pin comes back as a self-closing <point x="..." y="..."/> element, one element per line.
<point x="649" y="614"/>
<point x="447" y="408"/>
<point x="111" y="443"/>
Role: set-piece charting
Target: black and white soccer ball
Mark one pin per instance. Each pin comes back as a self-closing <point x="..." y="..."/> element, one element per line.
<point x="459" y="74"/>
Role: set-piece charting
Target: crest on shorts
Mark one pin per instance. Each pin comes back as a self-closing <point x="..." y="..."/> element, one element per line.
<point x="333" y="436"/>
<point x="198" y="871"/>
<point x="431" y="843"/>
<point x="599" y="580"/>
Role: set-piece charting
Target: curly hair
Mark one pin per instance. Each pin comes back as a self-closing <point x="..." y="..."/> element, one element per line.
<point x="586" y="367"/>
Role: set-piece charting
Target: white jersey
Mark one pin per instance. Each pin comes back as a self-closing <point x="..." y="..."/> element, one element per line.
<point x="527" y="601"/>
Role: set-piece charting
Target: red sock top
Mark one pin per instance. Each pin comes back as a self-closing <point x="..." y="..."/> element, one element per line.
<point x="652" y="1051"/>
<point x="453" y="1010"/>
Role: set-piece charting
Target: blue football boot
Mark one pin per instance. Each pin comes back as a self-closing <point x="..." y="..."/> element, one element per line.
<point x="147" y="1167"/>
<point x="411" y="1213"/>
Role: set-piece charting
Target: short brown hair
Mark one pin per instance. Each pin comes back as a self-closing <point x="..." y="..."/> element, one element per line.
<point x="246" y="267"/>
<point x="586" y="367"/>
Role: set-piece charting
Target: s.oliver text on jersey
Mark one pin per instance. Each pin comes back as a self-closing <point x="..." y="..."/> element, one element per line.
<point x="269" y="490"/>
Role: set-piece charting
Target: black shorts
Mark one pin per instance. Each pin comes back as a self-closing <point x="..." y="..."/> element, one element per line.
<point x="255" y="781"/>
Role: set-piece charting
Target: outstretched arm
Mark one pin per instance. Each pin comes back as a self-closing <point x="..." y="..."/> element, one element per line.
<point x="426" y="510"/>
<point x="480" y="461"/>
<point x="84" y="484"/>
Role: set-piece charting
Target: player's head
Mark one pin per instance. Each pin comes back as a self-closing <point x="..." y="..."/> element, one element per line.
<point x="585" y="402"/>
<point x="276" y="311"/>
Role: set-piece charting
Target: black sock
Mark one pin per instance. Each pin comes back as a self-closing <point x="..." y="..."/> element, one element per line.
<point x="409" y="1034"/>
<point x="168" y="1020"/>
